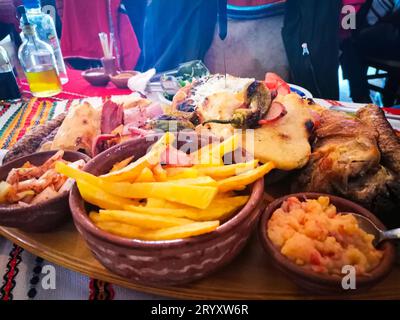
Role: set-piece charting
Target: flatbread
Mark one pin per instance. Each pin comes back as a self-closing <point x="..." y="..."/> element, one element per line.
<point x="80" y="128"/>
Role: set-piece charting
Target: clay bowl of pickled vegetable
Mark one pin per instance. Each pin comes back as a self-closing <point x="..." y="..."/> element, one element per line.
<point x="318" y="243"/>
<point x="33" y="196"/>
<point x="151" y="213"/>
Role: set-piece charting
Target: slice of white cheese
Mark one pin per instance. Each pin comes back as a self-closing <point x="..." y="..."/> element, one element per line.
<point x="218" y="84"/>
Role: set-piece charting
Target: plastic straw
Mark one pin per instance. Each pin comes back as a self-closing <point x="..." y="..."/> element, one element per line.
<point x="106" y="45"/>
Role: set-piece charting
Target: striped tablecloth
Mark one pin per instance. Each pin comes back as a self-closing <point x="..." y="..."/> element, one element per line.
<point x="20" y="271"/>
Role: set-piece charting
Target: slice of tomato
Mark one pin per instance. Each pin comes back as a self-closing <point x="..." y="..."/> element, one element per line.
<point x="275" y="82"/>
<point x="276" y="111"/>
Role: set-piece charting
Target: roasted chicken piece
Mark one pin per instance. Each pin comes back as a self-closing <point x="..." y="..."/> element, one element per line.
<point x="344" y="148"/>
<point x="388" y="141"/>
<point x="357" y="158"/>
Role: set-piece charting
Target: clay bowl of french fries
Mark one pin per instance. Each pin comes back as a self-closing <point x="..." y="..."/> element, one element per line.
<point x="33" y="196"/>
<point x="158" y="215"/>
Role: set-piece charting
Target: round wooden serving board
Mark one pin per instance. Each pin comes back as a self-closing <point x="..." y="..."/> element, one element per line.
<point x="250" y="276"/>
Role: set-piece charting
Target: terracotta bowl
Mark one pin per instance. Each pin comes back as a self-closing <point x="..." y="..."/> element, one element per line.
<point x="96" y="77"/>
<point x="121" y="78"/>
<point x="320" y="283"/>
<point x="163" y="262"/>
<point x="41" y="217"/>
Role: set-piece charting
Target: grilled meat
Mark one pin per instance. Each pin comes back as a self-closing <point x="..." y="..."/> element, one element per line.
<point x="344" y="149"/>
<point x="31" y="141"/>
<point x="355" y="157"/>
<point x="112" y="115"/>
<point x="388" y="141"/>
<point x="379" y="191"/>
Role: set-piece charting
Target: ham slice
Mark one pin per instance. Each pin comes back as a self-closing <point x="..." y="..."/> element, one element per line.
<point x="112" y="116"/>
<point x="137" y="117"/>
<point x="154" y="110"/>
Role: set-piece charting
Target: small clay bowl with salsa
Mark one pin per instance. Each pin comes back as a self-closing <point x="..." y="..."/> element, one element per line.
<point x="96" y="77"/>
<point x="325" y="283"/>
<point x="44" y="216"/>
<point x="120" y="80"/>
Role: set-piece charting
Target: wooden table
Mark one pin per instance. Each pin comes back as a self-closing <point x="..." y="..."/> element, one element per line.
<point x="250" y="276"/>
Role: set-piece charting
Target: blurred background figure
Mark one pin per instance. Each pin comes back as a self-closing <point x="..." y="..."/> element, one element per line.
<point x="8" y="20"/>
<point x="311" y="37"/>
<point x="377" y="37"/>
<point x="7" y="17"/>
<point x="177" y="31"/>
<point x="136" y="11"/>
<point x="81" y="23"/>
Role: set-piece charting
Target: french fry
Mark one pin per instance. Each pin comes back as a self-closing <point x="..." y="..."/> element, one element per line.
<point x="228" y="170"/>
<point x="128" y="173"/>
<point x="204" y="157"/>
<point x="142" y="220"/>
<point x="101" y="198"/>
<point x="189" y="213"/>
<point x="227" y="146"/>
<point x="159" y="173"/>
<point x="200" y="181"/>
<point x="212" y="154"/>
<point x="154" y="155"/>
<point x="191" y="195"/>
<point x="195" y="196"/>
<point x="155" y="203"/>
<point x="172" y="233"/>
<point x="131" y="171"/>
<point x="207" y="156"/>
<point x="122" y="164"/>
<point x="76" y="174"/>
<point x="219" y="209"/>
<point x="222" y="208"/>
<point x="174" y="173"/>
<point x="236" y="182"/>
<point x="145" y="176"/>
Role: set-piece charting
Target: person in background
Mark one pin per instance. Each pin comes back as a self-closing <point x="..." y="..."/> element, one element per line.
<point x="136" y="10"/>
<point x="81" y="23"/>
<point x="311" y="38"/>
<point x="177" y="31"/>
<point x="378" y="36"/>
<point x="8" y="19"/>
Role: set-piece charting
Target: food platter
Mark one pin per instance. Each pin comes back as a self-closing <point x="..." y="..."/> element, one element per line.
<point x="250" y="276"/>
<point x="165" y="214"/>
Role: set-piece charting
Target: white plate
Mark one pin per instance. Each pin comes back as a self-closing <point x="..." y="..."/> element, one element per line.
<point x="304" y="93"/>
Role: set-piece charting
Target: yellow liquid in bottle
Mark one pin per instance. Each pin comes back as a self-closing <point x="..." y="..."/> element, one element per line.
<point x="43" y="81"/>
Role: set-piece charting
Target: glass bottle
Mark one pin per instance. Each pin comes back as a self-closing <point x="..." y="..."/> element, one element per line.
<point x="46" y="32"/>
<point x="185" y="73"/>
<point x="9" y="89"/>
<point x="38" y="61"/>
